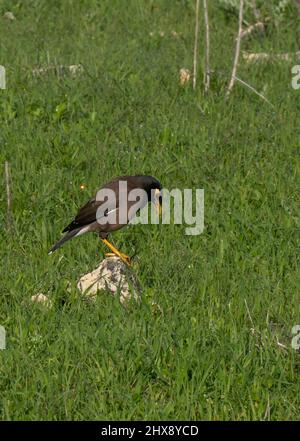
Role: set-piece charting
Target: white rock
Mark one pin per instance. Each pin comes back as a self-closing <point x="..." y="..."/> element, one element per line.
<point x="111" y="275"/>
<point x="73" y="70"/>
<point x="9" y="15"/>
<point x="41" y="298"/>
<point x="184" y="76"/>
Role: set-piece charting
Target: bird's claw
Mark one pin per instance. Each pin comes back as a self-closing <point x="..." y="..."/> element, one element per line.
<point x="126" y="259"/>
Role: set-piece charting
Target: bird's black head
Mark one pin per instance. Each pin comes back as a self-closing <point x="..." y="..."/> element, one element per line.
<point x="149" y="183"/>
<point x="153" y="188"/>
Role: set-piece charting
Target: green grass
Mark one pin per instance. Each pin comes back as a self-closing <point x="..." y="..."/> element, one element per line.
<point x="194" y="356"/>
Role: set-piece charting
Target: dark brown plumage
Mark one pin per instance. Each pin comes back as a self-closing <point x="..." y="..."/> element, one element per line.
<point x="88" y="218"/>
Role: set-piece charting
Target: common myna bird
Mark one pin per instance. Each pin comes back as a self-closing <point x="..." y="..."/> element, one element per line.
<point x="105" y="216"/>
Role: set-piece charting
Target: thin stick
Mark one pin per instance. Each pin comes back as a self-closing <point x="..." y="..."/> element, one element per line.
<point x="264" y="56"/>
<point x="237" y="49"/>
<point x="8" y="194"/>
<point x="196" y="44"/>
<point x="259" y="26"/>
<point x="249" y="315"/>
<point x="281" y="345"/>
<point x="207" y="70"/>
<point x="267" y="412"/>
<point x="253" y="90"/>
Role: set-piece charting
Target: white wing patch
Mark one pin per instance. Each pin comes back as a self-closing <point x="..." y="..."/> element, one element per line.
<point x="82" y="231"/>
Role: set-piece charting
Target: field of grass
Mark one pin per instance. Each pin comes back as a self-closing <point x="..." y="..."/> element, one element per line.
<point x="203" y="343"/>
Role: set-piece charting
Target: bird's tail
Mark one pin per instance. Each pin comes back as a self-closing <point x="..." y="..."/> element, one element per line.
<point x="69" y="235"/>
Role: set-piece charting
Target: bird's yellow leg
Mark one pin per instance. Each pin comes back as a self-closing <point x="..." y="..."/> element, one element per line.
<point x="116" y="252"/>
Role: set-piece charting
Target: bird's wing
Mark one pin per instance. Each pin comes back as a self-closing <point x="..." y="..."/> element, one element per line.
<point x="87" y="214"/>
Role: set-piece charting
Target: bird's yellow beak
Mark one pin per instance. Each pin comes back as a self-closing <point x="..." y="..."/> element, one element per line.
<point x="157" y="201"/>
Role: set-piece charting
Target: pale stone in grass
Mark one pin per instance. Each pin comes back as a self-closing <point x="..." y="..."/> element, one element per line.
<point x="42" y="299"/>
<point x="9" y="16"/>
<point x="75" y="69"/>
<point x="111" y="275"/>
<point x="184" y="76"/>
<point x="60" y="70"/>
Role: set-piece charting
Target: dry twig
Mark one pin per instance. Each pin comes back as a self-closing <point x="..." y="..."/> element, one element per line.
<point x="207" y="69"/>
<point x="237" y="49"/>
<point x="250" y="318"/>
<point x="253" y="90"/>
<point x="259" y="26"/>
<point x="267" y="412"/>
<point x="264" y="56"/>
<point x="196" y="44"/>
